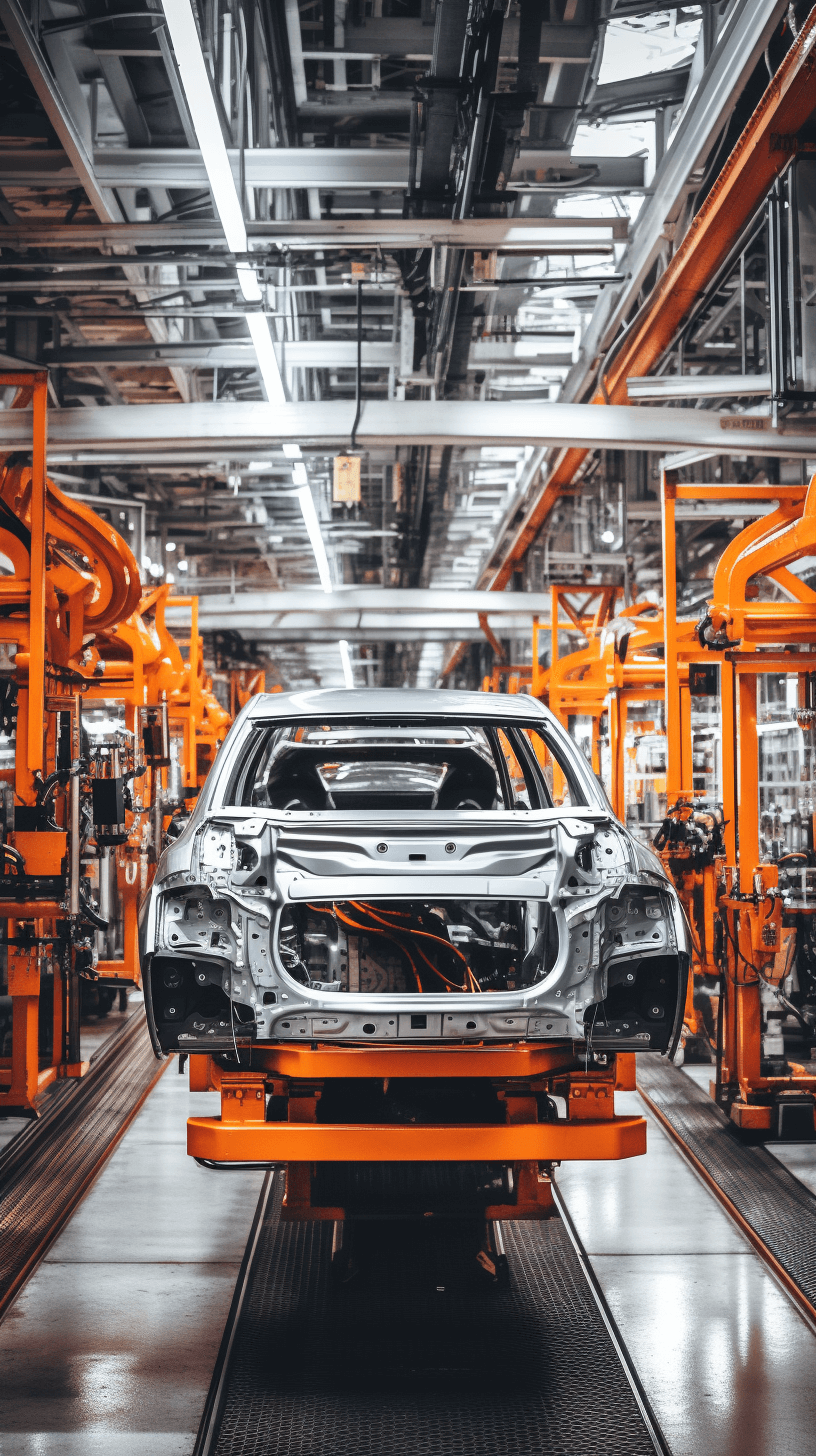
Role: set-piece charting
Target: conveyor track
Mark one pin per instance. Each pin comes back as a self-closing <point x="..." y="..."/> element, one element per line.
<point x="46" y="1170"/>
<point x="414" y="1355"/>
<point x="774" y="1210"/>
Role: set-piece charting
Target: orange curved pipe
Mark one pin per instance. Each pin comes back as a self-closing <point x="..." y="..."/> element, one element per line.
<point x="101" y="549"/>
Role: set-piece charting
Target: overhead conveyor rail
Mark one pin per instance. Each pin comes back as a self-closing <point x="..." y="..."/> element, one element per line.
<point x="411" y="1355"/>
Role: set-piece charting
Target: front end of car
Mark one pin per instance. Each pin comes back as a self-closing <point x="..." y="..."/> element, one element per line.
<point x="492" y="953"/>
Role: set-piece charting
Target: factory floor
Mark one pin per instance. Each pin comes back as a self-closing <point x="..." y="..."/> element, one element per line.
<point x="111" y="1345"/>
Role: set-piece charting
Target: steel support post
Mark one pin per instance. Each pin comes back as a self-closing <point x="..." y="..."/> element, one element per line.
<point x="675" y="786"/>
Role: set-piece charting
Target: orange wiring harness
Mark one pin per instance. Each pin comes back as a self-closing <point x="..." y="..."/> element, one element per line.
<point x="391" y="932"/>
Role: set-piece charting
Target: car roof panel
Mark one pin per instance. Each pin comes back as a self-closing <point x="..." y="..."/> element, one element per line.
<point x="396" y="703"/>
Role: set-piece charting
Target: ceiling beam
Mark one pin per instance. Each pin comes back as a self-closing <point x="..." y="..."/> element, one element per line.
<point x="168" y="431"/>
<point x="507" y="234"/>
<point x="382" y="599"/>
<point x="381" y="167"/>
<point x="70" y="118"/>
<point x="303" y="353"/>
<point x="365" y="613"/>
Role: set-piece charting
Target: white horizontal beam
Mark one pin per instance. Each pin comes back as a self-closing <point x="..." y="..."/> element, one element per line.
<point x="364" y="613"/>
<point x="380" y="600"/>
<point x="171" y="431"/>
<point x="505" y="234"/>
<point x="353" y="167"/>
<point x="699" y="386"/>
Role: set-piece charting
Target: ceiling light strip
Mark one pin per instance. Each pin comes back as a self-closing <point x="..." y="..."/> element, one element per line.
<point x="312" y="524"/>
<point x="195" y="79"/>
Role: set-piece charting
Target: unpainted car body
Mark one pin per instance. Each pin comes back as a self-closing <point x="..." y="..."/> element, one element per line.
<point x="433" y="866"/>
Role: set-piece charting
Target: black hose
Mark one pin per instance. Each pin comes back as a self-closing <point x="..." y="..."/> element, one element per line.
<point x="91" y="914"/>
<point x="14" y="856"/>
<point x="359" y="393"/>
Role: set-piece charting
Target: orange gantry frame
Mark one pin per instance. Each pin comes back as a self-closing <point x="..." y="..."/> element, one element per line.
<point x="755" y="637"/>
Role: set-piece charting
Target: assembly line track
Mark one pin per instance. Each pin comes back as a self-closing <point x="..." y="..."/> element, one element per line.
<point x="49" y="1166"/>
<point x="415" y="1354"/>
<point x="771" y="1207"/>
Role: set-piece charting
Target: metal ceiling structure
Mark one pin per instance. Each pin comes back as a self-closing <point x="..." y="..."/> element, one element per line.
<point x="240" y="429"/>
<point x="450" y="214"/>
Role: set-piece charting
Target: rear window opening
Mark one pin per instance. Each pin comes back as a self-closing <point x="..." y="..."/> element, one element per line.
<point x="416" y="947"/>
<point x="402" y="766"/>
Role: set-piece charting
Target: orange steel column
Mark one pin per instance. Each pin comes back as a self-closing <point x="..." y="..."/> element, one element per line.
<point x="24" y="989"/>
<point x="728" y="710"/>
<point x="748" y="1002"/>
<point x="748" y="781"/>
<point x="36" y="665"/>
<point x="674" y="725"/>
<point x="195" y="695"/>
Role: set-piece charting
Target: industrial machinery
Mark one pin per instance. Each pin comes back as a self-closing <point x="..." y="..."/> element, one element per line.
<point x="385" y="942"/>
<point x="107" y="735"/>
<point x="762" y="619"/>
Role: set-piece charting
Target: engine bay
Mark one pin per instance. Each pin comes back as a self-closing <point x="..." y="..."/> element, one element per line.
<point x="416" y="946"/>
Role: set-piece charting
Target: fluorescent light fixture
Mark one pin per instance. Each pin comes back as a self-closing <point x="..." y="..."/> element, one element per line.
<point x="292" y="452"/>
<point x="345" y="658"/>
<point x="312" y="525"/>
<point x="299" y="476"/>
<point x="256" y="467"/>
<point x="195" y="78"/>
<point x="169" y="545"/>
<point x="182" y="566"/>
<point x="267" y="358"/>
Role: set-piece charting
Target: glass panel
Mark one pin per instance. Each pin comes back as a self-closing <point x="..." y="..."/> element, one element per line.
<point x="706" y="748"/>
<point x="787" y="768"/>
<point x="644" y="774"/>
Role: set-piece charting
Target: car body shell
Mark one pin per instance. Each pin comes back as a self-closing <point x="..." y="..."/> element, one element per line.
<point x="212" y="922"/>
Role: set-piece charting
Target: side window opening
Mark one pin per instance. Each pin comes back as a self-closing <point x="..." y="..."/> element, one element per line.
<point x="562" y="782"/>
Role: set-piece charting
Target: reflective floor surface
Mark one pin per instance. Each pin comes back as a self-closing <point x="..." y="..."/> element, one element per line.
<point x="111" y="1346"/>
<point x="727" y="1362"/>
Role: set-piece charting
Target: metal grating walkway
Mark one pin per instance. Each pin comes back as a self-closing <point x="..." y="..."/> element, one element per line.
<point x="415" y="1356"/>
<point x="48" y="1167"/>
<point x="779" y="1209"/>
